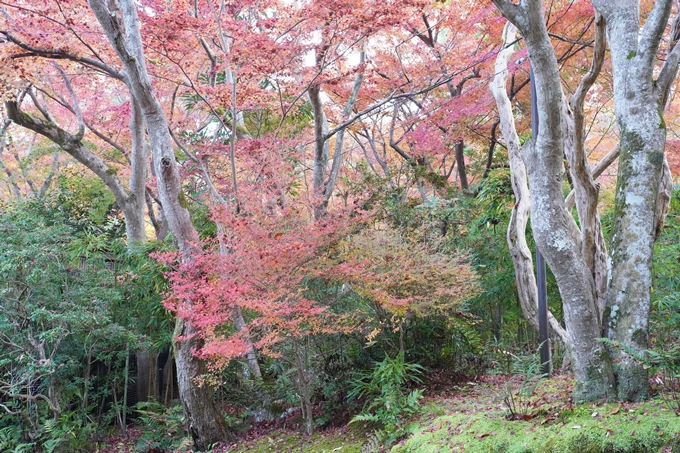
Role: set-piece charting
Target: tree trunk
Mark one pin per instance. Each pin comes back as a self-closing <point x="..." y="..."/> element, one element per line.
<point x="522" y="261"/>
<point x="203" y="421"/>
<point x="460" y="162"/>
<point x="586" y="190"/>
<point x="638" y="103"/>
<point x="554" y="228"/>
<point x="122" y="29"/>
<point x="323" y="189"/>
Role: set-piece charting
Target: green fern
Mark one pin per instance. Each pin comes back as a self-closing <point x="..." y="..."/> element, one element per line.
<point x="388" y="404"/>
<point x="374" y="442"/>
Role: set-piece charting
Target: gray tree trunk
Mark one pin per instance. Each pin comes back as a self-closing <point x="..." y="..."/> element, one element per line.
<point x="554" y="228"/>
<point x="122" y="29"/>
<point x="522" y="260"/>
<point x="638" y="103"/>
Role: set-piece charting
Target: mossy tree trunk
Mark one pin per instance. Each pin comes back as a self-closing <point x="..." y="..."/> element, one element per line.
<point x="639" y="103"/>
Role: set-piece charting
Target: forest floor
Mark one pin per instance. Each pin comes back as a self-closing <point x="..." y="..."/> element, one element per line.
<point x="474" y="417"/>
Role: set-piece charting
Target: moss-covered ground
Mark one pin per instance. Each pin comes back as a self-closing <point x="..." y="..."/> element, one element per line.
<point x="474" y="419"/>
<point x="342" y="440"/>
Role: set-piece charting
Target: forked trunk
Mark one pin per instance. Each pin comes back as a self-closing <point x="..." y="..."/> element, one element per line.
<point x="554" y="228"/>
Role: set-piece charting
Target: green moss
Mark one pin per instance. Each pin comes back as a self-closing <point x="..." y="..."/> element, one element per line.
<point x="343" y="441"/>
<point x="655" y="158"/>
<point x="633" y="381"/>
<point x="182" y="199"/>
<point x="599" y="381"/>
<point x="586" y="429"/>
<point x="631" y="55"/>
<point x="607" y="319"/>
<point x="640" y="338"/>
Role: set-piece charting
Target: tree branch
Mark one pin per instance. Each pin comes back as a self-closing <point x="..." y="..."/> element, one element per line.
<point x="72" y="146"/>
<point x="652" y="32"/>
<point x="669" y="70"/>
<point x="76" y="108"/>
<point x="60" y="54"/>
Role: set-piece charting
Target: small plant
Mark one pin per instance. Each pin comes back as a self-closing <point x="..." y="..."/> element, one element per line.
<point x="388" y="404"/>
<point x="518" y="392"/>
<point x="375" y="440"/>
<point x="162" y="428"/>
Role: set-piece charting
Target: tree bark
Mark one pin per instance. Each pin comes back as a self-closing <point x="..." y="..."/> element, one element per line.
<point x="552" y="225"/>
<point x="460" y="162"/>
<point x="522" y="261"/>
<point x="204" y="421"/>
<point x="638" y="103"/>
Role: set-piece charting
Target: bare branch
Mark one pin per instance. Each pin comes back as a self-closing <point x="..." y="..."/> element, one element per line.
<point x="669" y="70"/>
<point x="60" y="54"/>
<point x="597" y="170"/>
<point x="74" y="100"/>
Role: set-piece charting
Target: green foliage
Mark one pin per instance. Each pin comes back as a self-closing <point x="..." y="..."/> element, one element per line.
<point x="71" y="431"/>
<point x="520" y="388"/>
<point x="11" y="439"/>
<point x="143" y="284"/>
<point x="63" y="345"/>
<point x="389" y="404"/>
<point x="162" y="428"/>
<point x="85" y="204"/>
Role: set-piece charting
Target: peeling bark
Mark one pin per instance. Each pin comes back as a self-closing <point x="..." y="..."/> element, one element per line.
<point x="519" y="250"/>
